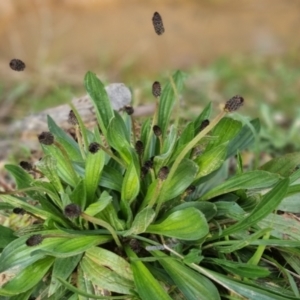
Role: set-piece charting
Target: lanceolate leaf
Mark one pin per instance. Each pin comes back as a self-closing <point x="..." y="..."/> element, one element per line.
<point x="183" y="178"/>
<point x="96" y="90"/>
<point x="131" y="183"/>
<point x="283" y="165"/>
<point x="6" y="236"/>
<point x="225" y="130"/>
<point x="105" y="278"/>
<point x="192" y="284"/>
<point x="211" y="160"/>
<point x="205" y="115"/>
<point x="93" y="168"/>
<point x="141" y="221"/>
<point x="187" y="224"/>
<point x="250" y="180"/>
<point x="27" y="278"/>
<point x="110" y="260"/>
<point x="147" y="286"/>
<point x="244" y="138"/>
<point x="168" y="100"/>
<point x="65" y="140"/>
<point x="62" y="268"/>
<point x="268" y="203"/>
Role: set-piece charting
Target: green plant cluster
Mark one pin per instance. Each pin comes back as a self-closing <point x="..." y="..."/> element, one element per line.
<point x="152" y="213"/>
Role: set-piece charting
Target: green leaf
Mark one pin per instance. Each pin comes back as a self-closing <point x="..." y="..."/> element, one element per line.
<point x="225" y="131"/>
<point x="249" y="291"/>
<point x="65" y="168"/>
<point x="142" y="220"/>
<point x="205" y="114"/>
<point x="147" y="286"/>
<point x="48" y="166"/>
<point x="168" y="100"/>
<point x="244" y="138"/>
<point x="131" y="183"/>
<point x="167" y="150"/>
<point x="93" y="168"/>
<point x="100" y="100"/>
<point x="105" y="278"/>
<point x="111" y="178"/>
<point x="251" y="180"/>
<point x="211" y="160"/>
<point x="78" y="195"/>
<point x="27" y="278"/>
<point x="241" y="269"/>
<point x="6" y="236"/>
<point x="17" y="253"/>
<point x="117" y="137"/>
<point x="207" y="208"/>
<point x="187" y="224"/>
<point x="114" y="262"/>
<point x="68" y="143"/>
<point x="101" y="204"/>
<point x="267" y="204"/>
<point x="192" y="284"/>
<point x="22" y="178"/>
<point x="177" y="184"/>
<point x="62" y="268"/>
<point x="284" y="165"/>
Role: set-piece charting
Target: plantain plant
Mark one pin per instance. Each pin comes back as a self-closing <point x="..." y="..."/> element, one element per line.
<point x="154" y="212"/>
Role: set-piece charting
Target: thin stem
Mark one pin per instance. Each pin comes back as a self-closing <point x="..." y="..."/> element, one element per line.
<point x="109" y="153"/>
<point x="194" y="141"/>
<point x="103" y="224"/>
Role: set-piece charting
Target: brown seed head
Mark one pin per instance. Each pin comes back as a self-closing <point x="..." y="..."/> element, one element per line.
<point x="234" y="103"/>
<point x="17" y="65"/>
<point x="156" y="89"/>
<point x="72" y="118"/>
<point x="156" y="130"/>
<point x="34" y="240"/>
<point x="129" y="109"/>
<point x="72" y="210"/>
<point x="46" y="138"/>
<point x="158" y="23"/>
<point x="163" y="173"/>
<point x="139" y="147"/>
<point x="148" y="164"/>
<point x="94" y="147"/>
<point x="204" y="124"/>
<point x="26" y="165"/>
<point x="18" y="211"/>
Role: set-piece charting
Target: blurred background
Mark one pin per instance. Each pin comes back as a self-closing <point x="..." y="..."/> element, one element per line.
<point x="226" y="47"/>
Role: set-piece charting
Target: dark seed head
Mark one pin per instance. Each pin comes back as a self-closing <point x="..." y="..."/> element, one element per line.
<point x="139" y="147"/>
<point x="156" y="130"/>
<point x="163" y="173"/>
<point x="72" y="118"/>
<point x="19" y="211"/>
<point x="72" y="210"/>
<point x="17" y="65"/>
<point x="190" y="189"/>
<point x="34" y="240"/>
<point x="204" y="124"/>
<point x="46" y="138"/>
<point x="156" y="89"/>
<point x="234" y="103"/>
<point x="94" y="147"/>
<point x="158" y="23"/>
<point x="129" y="109"/>
<point x="148" y="164"/>
<point x="26" y="165"/>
